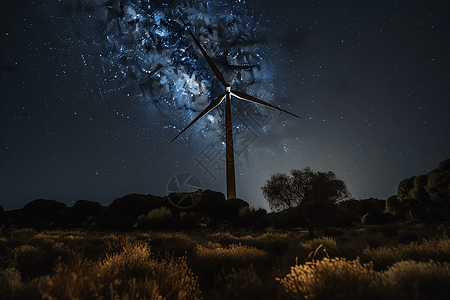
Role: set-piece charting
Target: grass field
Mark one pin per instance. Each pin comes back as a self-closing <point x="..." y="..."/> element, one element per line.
<point x="393" y="261"/>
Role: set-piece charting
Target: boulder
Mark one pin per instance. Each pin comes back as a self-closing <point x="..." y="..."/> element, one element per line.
<point x="42" y="213"/>
<point x="123" y="212"/>
<point x="83" y="211"/>
<point x="232" y="207"/>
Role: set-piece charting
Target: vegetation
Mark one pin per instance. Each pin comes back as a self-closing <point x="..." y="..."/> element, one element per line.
<point x="139" y="247"/>
<point x="313" y="194"/>
<point x="365" y="261"/>
<point x="159" y="218"/>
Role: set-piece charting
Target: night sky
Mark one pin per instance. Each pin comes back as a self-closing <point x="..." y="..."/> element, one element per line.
<point x="92" y="92"/>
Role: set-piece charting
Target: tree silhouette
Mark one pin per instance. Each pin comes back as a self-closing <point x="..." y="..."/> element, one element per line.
<point x="313" y="194"/>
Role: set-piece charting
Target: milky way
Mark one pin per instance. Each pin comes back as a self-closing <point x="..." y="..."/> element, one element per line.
<point x="147" y="57"/>
<point x="92" y="93"/>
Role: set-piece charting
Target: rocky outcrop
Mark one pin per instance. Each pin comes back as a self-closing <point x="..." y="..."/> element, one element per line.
<point x="42" y="213"/>
<point x="83" y="212"/>
<point x="123" y="212"/>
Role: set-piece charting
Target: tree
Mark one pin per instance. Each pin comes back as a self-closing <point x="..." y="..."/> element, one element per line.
<point x="313" y="194"/>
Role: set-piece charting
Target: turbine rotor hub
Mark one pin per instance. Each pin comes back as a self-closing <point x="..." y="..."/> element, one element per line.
<point x="228" y="88"/>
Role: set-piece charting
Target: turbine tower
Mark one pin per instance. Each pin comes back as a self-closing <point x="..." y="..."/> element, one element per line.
<point x="231" y="180"/>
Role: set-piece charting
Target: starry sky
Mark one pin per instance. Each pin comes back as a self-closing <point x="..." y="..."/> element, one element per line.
<point x="93" y="91"/>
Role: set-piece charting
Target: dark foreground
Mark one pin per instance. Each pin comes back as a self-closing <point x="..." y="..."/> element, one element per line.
<point x="393" y="261"/>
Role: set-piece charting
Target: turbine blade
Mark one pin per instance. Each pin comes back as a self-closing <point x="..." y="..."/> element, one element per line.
<point x="246" y="97"/>
<point x="208" y="59"/>
<point x="210" y="107"/>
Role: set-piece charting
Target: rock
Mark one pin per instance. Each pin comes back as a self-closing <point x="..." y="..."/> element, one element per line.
<point x="42" y="213"/>
<point x="123" y="212"/>
<point x="2" y="215"/>
<point x="84" y="211"/>
<point x="232" y="207"/>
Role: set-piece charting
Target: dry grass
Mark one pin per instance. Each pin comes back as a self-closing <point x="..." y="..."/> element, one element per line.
<point x="129" y="274"/>
<point x="82" y="264"/>
<point x="434" y="249"/>
<point x="245" y="284"/>
<point x="276" y="243"/>
<point x="174" y="243"/>
<point x="214" y="257"/>
<point x="417" y="280"/>
<point x="334" y="278"/>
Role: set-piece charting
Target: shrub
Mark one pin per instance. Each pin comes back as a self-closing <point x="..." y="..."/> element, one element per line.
<point x="249" y="217"/>
<point x="233" y="256"/>
<point x="176" y="280"/>
<point x="211" y="258"/>
<point x="10" y="283"/>
<point x="134" y="261"/>
<point x="272" y="243"/>
<point x="243" y="284"/>
<point x="330" y="279"/>
<point x="346" y="214"/>
<point x="244" y="216"/>
<point x="287" y="219"/>
<point x="39" y="259"/>
<point x="225" y="238"/>
<point x="378" y="218"/>
<point x="159" y="218"/>
<point x="12" y="286"/>
<point x="333" y="231"/>
<point x="341" y="279"/>
<point x="116" y="243"/>
<point x="174" y="243"/>
<point x="438" y="250"/>
<point x="408" y="236"/>
<point x="390" y="231"/>
<point x="23" y="233"/>
<point x="188" y="220"/>
<point x="129" y="274"/>
<point x="417" y="280"/>
<point x="269" y="242"/>
<point x="329" y="247"/>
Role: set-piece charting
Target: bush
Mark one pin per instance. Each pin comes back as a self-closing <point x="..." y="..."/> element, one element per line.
<point x="287" y="219"/>
<point x="249" y="217"/>
<point x="244" y="284"/>
<point x="188" y="220"/>
<point x="417" y="280"/>
<point x="378" y="218"/>
<point x="276" y="244"/>
<point x="129" y="274"/>
<point x="329" y="247"/>
<point x="438" y="250"/>
<point x="38" y="257"/>
<point x="269" y="242"/>
<point x="211" y="258"/>
<point x="345" y="215"/>
<point x="12" y="287"/>
<point x="331" y="279"/>
<point x="177" y="244"/>
<point x="390" y="231"/>
<point x="233" y="256"/>
<point x="408" y="236"/>
<point x="159" y="218"/>
<point x="10" y="283"/>
<point x="342" y="279"/>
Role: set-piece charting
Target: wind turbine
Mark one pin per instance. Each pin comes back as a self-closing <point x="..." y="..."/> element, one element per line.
<point x="231" y="180"/>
